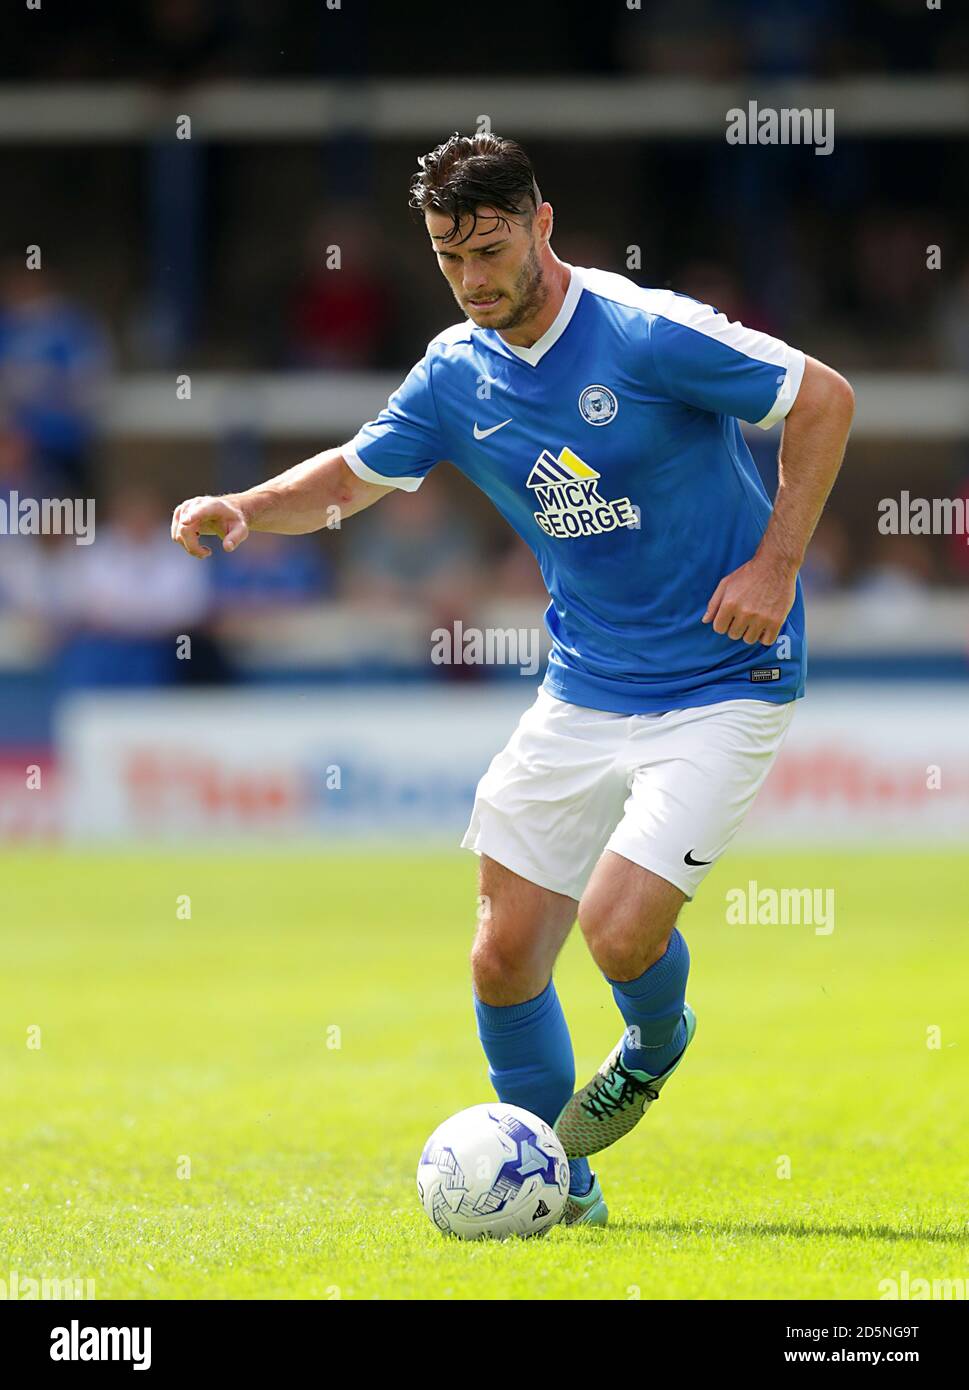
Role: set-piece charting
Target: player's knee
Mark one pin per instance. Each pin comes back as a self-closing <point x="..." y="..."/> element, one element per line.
<point x="623" y="944"/>
<point x="501" y="976"/>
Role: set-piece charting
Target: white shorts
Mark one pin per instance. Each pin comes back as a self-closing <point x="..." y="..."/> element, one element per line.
<point x="668" y="791"/>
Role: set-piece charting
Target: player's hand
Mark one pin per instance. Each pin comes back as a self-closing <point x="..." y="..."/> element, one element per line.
<point x="208" y="516"/>
<point x="752" y="603"/>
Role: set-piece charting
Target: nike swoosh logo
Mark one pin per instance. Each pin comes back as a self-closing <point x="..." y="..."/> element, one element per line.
<point x="688" y="859"/>
<point x="483" y="434"/>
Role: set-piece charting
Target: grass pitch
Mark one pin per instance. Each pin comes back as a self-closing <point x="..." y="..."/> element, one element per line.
<point x="232" y="1104"/>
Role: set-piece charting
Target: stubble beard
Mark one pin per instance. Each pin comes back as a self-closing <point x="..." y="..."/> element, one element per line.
<point x="528" y="296"/>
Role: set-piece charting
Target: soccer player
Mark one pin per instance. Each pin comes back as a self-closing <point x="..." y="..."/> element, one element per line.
<point x="602" y="420"/>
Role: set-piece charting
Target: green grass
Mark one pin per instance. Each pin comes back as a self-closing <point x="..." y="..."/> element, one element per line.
<point x="209" y="1038"/>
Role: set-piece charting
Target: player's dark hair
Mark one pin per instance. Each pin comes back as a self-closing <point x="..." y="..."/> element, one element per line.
<point x="467" y="172"/>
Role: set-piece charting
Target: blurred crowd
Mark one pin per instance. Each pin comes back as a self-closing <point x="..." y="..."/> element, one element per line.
<point x="187" y="40"/>
<point x="111" y="613"/>
<point x="115" y="613"/>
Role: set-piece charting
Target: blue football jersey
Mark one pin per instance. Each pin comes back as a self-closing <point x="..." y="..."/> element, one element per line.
<point x="613" y="447"/>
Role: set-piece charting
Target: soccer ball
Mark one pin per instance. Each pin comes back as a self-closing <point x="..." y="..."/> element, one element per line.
<point x="493" y="1170"/>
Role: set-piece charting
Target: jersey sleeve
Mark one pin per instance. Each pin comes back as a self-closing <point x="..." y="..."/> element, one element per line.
<point x="704" y="359"/>
<point x="402" y="445"/>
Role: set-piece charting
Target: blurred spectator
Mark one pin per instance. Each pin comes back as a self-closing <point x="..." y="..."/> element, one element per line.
<point x="682" y="38"/>
<point x="888" y="292"/>
<point x="125" y="600"/>
<point x="269" y="572"/>
<point x="903" y="565"/>
<point x="890" y="597"/>
<point x="826" y="564"/>
<point x="21" y="565"/>
<point x="343" y="307"/>
<point x="952" y="318"/>
<point x="891" y="594"/>
<point x="957" y="545"/>
<point x="186" y="40"/>
<point x="785" y="40"/>
<point x="16" y="459"/>
<point x="413" y="548"/>
<point x="54" y="358"/>
<point x="33" y="579"/>
<point x="417" y="552"/>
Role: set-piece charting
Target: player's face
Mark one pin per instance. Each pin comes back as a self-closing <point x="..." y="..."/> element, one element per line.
<point x="495" y="273"/>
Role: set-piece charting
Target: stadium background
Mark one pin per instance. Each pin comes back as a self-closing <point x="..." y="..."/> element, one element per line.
<point x="310" y="709"/>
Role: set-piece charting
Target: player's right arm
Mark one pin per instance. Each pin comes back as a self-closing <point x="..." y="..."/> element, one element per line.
<point x="401" y="445"/>
<point x="319" y="492"/>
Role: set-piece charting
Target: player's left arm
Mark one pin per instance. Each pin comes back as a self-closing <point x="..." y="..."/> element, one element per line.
<point x="752" y="603"/>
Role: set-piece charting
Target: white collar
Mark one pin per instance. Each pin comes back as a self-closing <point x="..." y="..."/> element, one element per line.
<point x="534" y="354"/>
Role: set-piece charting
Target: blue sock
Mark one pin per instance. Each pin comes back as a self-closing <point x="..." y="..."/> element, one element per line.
<point x="530" y="1061"/>
<point x="653" y="1004"/>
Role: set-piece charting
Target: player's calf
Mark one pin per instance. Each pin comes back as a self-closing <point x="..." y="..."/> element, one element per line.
<point x="628" y="918"/>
